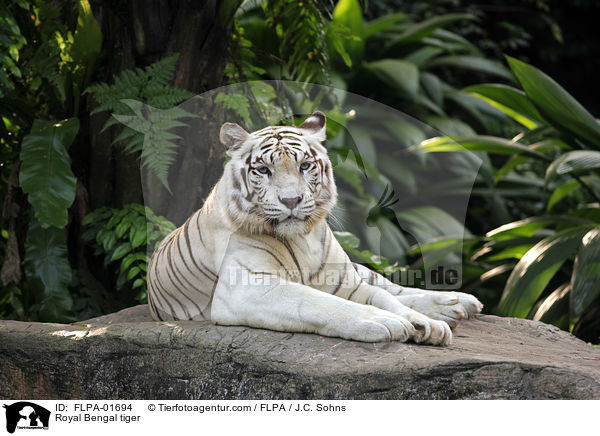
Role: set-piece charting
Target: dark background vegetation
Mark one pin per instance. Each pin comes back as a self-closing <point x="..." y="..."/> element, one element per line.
<point x="74" y="230"/>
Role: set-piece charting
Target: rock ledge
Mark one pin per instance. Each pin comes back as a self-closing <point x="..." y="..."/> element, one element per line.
<point x="127" y="356"/>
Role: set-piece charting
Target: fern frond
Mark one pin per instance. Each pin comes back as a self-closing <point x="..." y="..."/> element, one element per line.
<point x="145" y="102"/>
<point x="149" y="131"/>
<point x="237" y="103"/>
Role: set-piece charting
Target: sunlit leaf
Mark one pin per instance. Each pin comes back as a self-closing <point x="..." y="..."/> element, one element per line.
<point x="509" y="248"/>
<point x="573" y="162"/>
<point x="490" y="144"/>
<point x="534" y="271"/>
<point x="348" y="13"/>
<point x="529" y="226"/>
<point x="555" y="308"/>
<point x="508" y="97"/>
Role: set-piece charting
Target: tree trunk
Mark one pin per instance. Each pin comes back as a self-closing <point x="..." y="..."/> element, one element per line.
<point x="136" y="34"/>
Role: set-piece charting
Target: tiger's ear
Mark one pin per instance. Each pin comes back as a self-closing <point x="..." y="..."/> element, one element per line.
<point x="315" y="126"/>
<point x="232" y="136"/>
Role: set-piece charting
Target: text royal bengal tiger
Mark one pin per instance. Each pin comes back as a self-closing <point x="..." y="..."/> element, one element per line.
<point x="260" y="253"/>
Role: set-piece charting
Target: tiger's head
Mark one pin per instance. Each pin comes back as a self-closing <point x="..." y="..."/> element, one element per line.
<point x="280" y="179"/>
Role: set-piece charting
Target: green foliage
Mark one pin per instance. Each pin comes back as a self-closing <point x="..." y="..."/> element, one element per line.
<point x="411" y="66"/>
<point x="148" y="126"/>
<point x="350" y="243"/>
<point x="347" y="15"/>
<point x="45" y="172"/>
<point x="49" y="272"/>
<point x="536" y="268"/>
<point x="555" y="104"/>
<point x="83" y="52"/>
<point x="149" y="133"/>
<point x="53" y="48"/>
<point x="535" y="201"/>
<point x="254" y="104"/>
<point x="398" y="74"/>
<point x="407" y="64"/>
<point x="236" y="102"/>
<point x="11" y="41"/>
<point x="150" y="85"/>
<point x="124" y="237"/>
<point x="301" y="28"/>
<point x="552" y="256"/>
<point x="584" y="280"/>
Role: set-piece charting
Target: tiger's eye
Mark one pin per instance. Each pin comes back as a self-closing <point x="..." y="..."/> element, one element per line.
<point x="304" y="166"/>
<point x="263" y="170"/>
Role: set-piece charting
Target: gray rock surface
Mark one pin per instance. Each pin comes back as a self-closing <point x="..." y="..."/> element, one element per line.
<point x="127" y="356"/>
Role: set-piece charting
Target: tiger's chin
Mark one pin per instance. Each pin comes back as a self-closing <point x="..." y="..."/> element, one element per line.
<point x="291" y="226"/>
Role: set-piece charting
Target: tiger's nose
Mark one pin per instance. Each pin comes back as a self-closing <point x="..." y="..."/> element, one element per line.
<point x="291" y="202"/>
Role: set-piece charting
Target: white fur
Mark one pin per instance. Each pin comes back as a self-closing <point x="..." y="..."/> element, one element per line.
<point x="287" y="274"/>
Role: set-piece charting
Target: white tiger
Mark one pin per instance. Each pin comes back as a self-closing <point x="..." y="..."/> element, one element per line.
<point x="260" y="253"/>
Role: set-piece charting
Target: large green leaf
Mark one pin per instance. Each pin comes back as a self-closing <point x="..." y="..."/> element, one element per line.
<point x="585" y="281"/>
<point x="475" y="63"/>
<point x="45" y="173"/>
<point x="490" y="144"/>
<point x="397" y="74"/>
<point x="555" y="104"/>
<point x="48" y="268"/>
<point x="534" y="271"/>
<point x="573" y="162"/>
<point x="425" y="28"/>
<point x="509" y="100"/>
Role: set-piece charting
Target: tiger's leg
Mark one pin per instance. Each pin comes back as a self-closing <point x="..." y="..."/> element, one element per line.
<point x="427" y="330"/>
<point x="450" y="307"/>
<point x="264" y="300"/>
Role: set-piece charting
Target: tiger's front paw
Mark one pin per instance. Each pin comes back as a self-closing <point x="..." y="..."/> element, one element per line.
<point x="370" y="325"/>
<point x="429" y="331"/>
<point x="450" y="307"/>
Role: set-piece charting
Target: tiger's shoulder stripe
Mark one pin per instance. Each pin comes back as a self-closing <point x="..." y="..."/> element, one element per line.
<point x="180" y="277"/>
